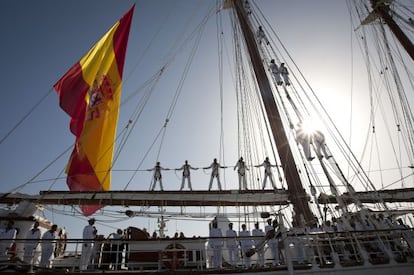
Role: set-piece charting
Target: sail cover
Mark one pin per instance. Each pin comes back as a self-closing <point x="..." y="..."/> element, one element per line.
<point x="90" y="93"/>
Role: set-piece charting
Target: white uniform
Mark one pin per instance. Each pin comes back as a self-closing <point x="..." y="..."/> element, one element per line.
<point x="241" y="171"/>
<point x="268" y="173"/>
<point x="257" y="242"/>
<point x="285" y="74"/>
<point x="157" y="176"/>
<point x="87" y="247"/>
<point x="33" y="236"/>
<point x="304" y="139"/>
<point x="273" y="245"/>
<point x="216" y="245"/>
<point x="246" y="245"/>
<point x="231" y="245"/>
<point x="276" y="73"/>
<point x="261" y="36"/>
<point x="186" y="175"/>
<point x="320" y="146"/>
<point x="214" y="174"/>
<point x="48" y="246"/>
<point x="7" y="237"/>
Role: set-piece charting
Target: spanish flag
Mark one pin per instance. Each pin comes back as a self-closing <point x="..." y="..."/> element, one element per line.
<point x="90" y="93"/>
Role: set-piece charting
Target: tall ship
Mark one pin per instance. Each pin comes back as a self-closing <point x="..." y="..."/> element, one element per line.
<point x="240" y="143"/>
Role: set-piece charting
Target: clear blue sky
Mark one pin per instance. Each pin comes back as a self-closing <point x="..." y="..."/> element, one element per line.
<point x="41" y="40"/>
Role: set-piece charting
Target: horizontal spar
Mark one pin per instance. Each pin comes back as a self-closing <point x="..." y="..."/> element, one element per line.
<point x="154" y="198"/>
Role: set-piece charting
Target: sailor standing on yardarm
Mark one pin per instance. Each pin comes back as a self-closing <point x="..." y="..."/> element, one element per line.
<point x="241" y="170"/>
<point x="267" y="172"/>
<point x="214" y="173"/>
<point x="157" y="176"/>
<point x="186" y="174"/>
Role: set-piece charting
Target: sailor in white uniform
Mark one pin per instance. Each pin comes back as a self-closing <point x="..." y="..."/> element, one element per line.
<point x="245" y="244"/>
<point x="320" y="146"/>
<point x="7" y="237"/>
<point x="273" y="242"/>
<point x="267" y="173"/>
<point x="48" y="246"/>
<point x="87" y="247"/>
<point x="232" y="245"/>
<point x="261" y="36"/>
<point x="285" y="74"/>
<point x="276" y="72"/>
<point x="216" y="244"/>
<point x="157" y="176"/>
<point x="304" y="138"/>
<point x="258" y="243"/>
<point x="186" y="174"/>
<point x="33" y="236"/>
<point x="214" y="173"/>
<point x="241" y="171"/>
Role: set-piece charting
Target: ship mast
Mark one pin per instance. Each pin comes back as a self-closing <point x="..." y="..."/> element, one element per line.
<point x="297" y="194"/>
<point x="382" y="9"/>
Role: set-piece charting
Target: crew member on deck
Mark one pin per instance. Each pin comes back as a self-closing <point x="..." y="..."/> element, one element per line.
<point x="231" y="245"/>
<point x="48" y="246"/>
<point x="273" y="242"/>
<point x="7" y="238"/>
<point x="87" y="247"/>
<point x="186" y="174"/>
<point x="216" y="244"/>
<point x="214" y="173"/>
<point x="285" y="74"/>
<point x="33" y="237"/>
<point x="241" y="171"/>
<point x="268" y="173"/>
<point x="259" y="244"/>
<point x="245" y="244"/>
<point x="157" y="176"/>
<point x="276" y="72"/>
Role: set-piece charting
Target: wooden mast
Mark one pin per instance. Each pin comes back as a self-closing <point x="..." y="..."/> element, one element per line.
<point x="297" y="194"/>
<point x="383" y="10"/>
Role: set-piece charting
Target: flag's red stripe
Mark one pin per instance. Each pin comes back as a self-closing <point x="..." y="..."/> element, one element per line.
<point x="72" y="90"/>
<point x="120" y="45"/>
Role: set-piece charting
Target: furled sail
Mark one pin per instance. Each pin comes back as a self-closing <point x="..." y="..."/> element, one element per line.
<point x="90" y="93"/>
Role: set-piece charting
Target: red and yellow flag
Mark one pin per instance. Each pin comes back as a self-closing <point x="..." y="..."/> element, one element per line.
<point x="90" y="93"/>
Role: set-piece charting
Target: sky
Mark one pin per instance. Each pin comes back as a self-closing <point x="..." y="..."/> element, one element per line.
<point x="41" y="40"/>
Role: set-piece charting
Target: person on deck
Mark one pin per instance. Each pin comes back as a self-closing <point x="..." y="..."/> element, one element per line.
<point x="245" y="244"/>
<point x="117" y="248"/>
<point x="285" y="74"/>
<point x="273" y="242"/>
<point x="267" y="173"/>
<point x="87" y="247"/>
<point x="261" y="36"/>
<point x="33" y="237"/>
<point x="7" y="237"/>
<point x="214" y="173"/>
<point x="48" y="246"/>
<point x="216" y="244"/>
<point x="304" y="138"/>
<point x="231" y="245"/>
<point x="186" y="174"/>
<point x="157" y="176"/>
<point x="276" y="72"/>
<point x="241" y="171"/>
<point x="258" y="244"/>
